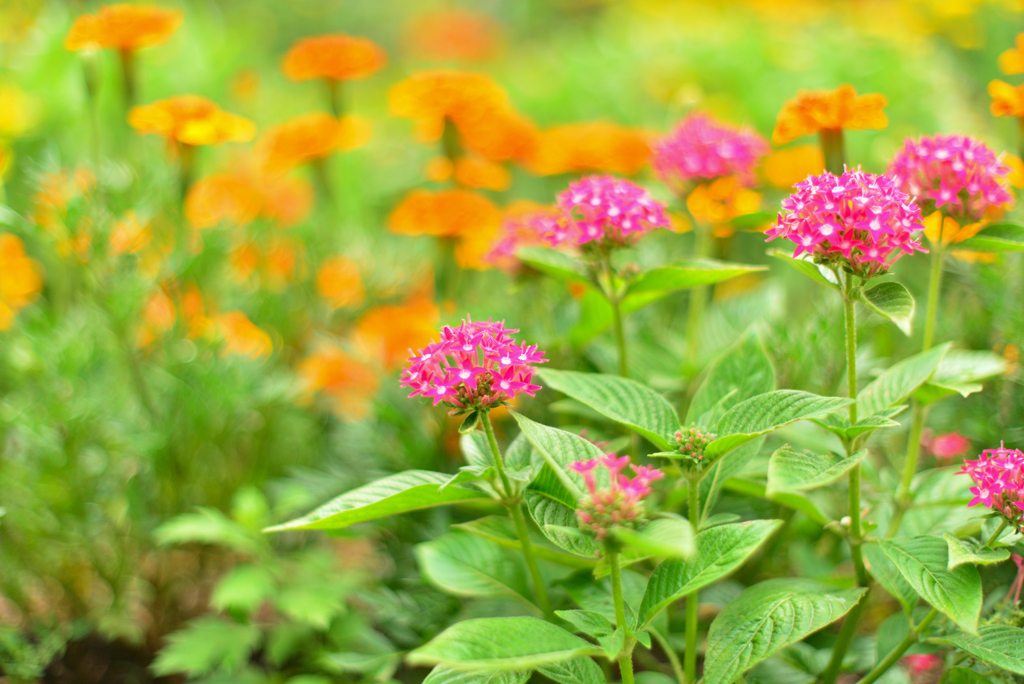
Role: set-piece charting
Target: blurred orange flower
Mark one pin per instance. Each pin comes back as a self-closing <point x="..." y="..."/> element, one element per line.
<point x="240" y="336"/>
<point x="313" y="136"/>
<point x="470" y="172"/>
<point x="590" y="146"/>
<point x="811" y="112"/>
<point x="446" y="213"/>
<point x="349" y="383"/>
<point x="56" y="193"/>
<point x="1016" y="169"/>
<point x="124" y="27"/>
<point x="277" y="263"/>
<point x="388" y="332"/>
<point x="337" y="57"/>
<point x="1007" y="100"/>
<point x="129" y="236"/>
<point x="21" y="279"/>
<point x="287" y="200"/>
<point x="158" y="316"/>
<point x="192" y="120"/>
<point x="221" y="198"/>
<point x="454" y="35"/>
<point x="339" y="282"/>
<point x="722" y="200"/>
<point x="786" y="167"/>
<point x="1012" y="61"/>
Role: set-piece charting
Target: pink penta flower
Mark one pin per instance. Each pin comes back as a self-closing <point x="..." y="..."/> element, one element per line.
<point x="700" y="148"/>
<point x="476" y="365"/>
<point x="859" y="222"/>
<point x="532" y="226"/>
<point x="998" y="477"/>
<point x="620" y="502"/>
<point x="955" y="173"/>
<point x="945" y="447"/>
<point x="605" y="212"/>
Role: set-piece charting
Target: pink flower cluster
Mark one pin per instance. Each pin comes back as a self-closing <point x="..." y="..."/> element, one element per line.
<point x="618" y="504"/>
<point x="956" y="173"/>
<point x="474" y="366"/>
<point x="545" y="226"/>
<point x="998" y="477"/>
<point x="945" y="447"/>
<point x="858" y="221"/>
<point x="699" y="147"/>
<point x="604" y="210"/>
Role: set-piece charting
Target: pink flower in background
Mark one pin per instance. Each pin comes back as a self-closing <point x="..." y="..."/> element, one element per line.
<point x="605" y="211"/>
<point x="921" y="663"/>
<point x="620" y="502"/>
<point x="1018" y="581"/>
<point x="858" y="221"/>
<point x="945" y="447"/>
<point x="998" y="477"/>
<point x="477" y="365"/>
<point x="955" y="173"/>
<point x="701" y="148"/>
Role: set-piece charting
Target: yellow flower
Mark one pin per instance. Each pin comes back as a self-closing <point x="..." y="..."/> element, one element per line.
<point x="388" y="332"/>
<point x="123" y="27"/>
<point x="192" y="120"/>
<point x="944" y="230"/>
<point x="19" y="111"/>
<point x="719" y="202"/>
<point x="811" y="112"/>
<point x="590" y="146"/>
<point x="311" y="137"/>
<point x="21" y="279"/>
<point x="786" y="167"/>
<point x="1007" y="100"/>
<point x="1012" y="61"/>
<point x="129" y="236"/>
<point x="221" y="198"/>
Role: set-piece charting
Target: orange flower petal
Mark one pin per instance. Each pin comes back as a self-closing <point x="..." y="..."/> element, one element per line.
<point x="124" y="27"/>
<point x="338" y="57"/>
<point x="192" y="120"/>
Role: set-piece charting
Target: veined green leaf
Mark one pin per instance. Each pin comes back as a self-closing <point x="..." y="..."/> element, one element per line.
<point x="447" y="675"/>
<point x="807" y="268"/>
<point x="964" y="551"/>
<point x="553" y="508"/>
<point x="587" y="621"/>
<point x="559" y="449"/>
<point x="499" y="529"/>
<point x="575" y="671"/>
<point x="464" y="564"/>
<point x="895" y="385"/>
<point x="961" y="372"/>
<point x="892" y="301"/>
<point x="661" y="538"/>
<point x="723" y="471"/>
<point x="961" y="675"/>
<point x="743" y="370"/>
<point x="685" y="275"/>
<point x="1001" y="237"/>
<point x="886" y="574"/>
<point x="999" y="645"/>
<point x="554" y="263"/>
<point x="794" y="471"/>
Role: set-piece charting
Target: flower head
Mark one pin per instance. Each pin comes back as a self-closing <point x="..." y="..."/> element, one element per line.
<point x="691" y="443"/>
<point x="945" y="447"/>
<point x="192" y="120"/>
<point x="123" y="27"/>
<point x="1012" y="61"/>
<point x="525" y="224"/>
<point x="241" y="337"/>
<point x="21" y="279"/>
<point x="607" y="211"/>
<point x="998" y="477"/>
<point x="1007" y="100"/>
<point x="468" y="216"/>
<point x="858" y="221"/>
<point x="476" y="365"/>
<point x="718" y="202"/>
<point x="239" y="197"/>
<point x="454" y="34"/>
<point x="590" y="146"/>
<point x="613" y="499"/>
<point x="701" y="148"/>
<point x="346" y="381"/>
<point x="339" y="282"/>
<point x="811" y="112"/>
<point x="311" y="137"/>
<point x="337" y="57"/>
<point x="955" y="173"/>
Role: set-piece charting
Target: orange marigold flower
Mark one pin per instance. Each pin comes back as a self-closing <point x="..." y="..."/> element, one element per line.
<point x="447" y="213"/>
<point x="339" y="282"/>
<point x="1012" y="61"/>
<point x="193" y="312"/>
<point x="158" y="316"/>
<point x="287" y="200"/>
<point x="1007" y="100"/>
<point x="337" y="57"/>
<point x="721" y="201"/>
<point x="349" y="383"/>
<point x="811" y="112"/>
<point x="474" y="172"/>
<point x="241" y="337"/>
<point x="21" y="279"/>
<point x="281" y="261"/>
<point x="388" y="332"/>
<point x="129" y="236"/>
<point x="313" y="136"/>
<point x="454" y="35"/>
<point x="1016" y="169"/>
<point x="192" y="120"/>
<point x="244" y="260"/>
<point x="786" y="167"/>
<point x="124" y="27"/>
<point x="221" y="198"/>
<point x="590" y="146"/>
<point x="945" y="230"/>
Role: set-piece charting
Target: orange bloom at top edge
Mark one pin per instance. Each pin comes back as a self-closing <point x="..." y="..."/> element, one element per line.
<point x="21" y="279"/>
<point x="590" y="146"/>
<point x="313" y="136"/>
<point x="192" y="120"/>
<point x="337" y="56"/>
<point x="811" y="112"/>
<point x="454" y="35"/>
<point x="1007" y="100"/>
<point x="124" y="27"/>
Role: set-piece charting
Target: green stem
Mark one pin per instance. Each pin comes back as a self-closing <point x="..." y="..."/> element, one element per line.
<point x="670" y="653"/>
<point x="611" y="293"/>
<point x="336" y="97"/>
<point x="323" y="179"/>
<point x="898" y="652"/>
<point x="514" y="506"/>
<point x="690" y="654"/>
<point x="934" y="288"/>
<point x="186" y="168"/>
<point x="128" y="77"/>
<point x="699" y="294"/>
<point x="995" y="535"/>
<point x="626" y="656"/>
<point x="833" y="148"/>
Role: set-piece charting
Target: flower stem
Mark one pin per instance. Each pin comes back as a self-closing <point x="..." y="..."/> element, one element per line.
<point x="626" y="656"/>
<point x="670" y="653"/>
<point x="514" y="507"/>
<point x="995" y="535"/>
<point x="336" y="97"/>
<point x="699" y="294"/>
<point x="934" y="287"/>
<point x="898" y="652"/>
<point x="615" y="302"/>
<point x="128" y="78"/>
<point x="833" y="148"/>
<point x="690" y="654"/>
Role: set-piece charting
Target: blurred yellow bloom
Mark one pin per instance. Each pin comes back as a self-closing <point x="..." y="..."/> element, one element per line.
<point x="244" y="259"/>
<point x="454" y="34"/>
<point x="19" y="111"/>
<point x="124" y="27"/>
<point x="1016" y="176"/>
<point x="339" y="282"/>
<point x="337" y="57"/>
<point x="722" y="200"/>
<point x="811" y="112"/>
<point x="786" y="167"/>
<point x="388" y="332"/>
<point x="21" y="279"/>
<point x="590" y="146"/>
<point x="277" y="263"/>
<point x="1012" y="61"/>
<point x="240" y="336"/>
<point x="1007" y="100"/>
<point x="349" y="383"/>
<point x="129" y="236"/>
<point x="311" y="137"/>
<point x="192" y="120"/>
<point x="944" y="230"/>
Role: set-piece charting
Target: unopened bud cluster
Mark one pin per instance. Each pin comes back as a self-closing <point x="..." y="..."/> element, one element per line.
<point x="692" y="442"/>
<point x="620" y="503"/>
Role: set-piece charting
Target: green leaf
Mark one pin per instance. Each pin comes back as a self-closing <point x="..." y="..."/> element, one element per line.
<point x="964" y="551"/>
<point x="575" y="671"/>
<point x="554" y="263"/>
<point x="766" y="412"/>
<point x="807" y="268"/>
<point x="613" y="643"/>
<point x="464" y="564"/>
<point x="893" y="301"/>
<point x="506" y="643"/>
<point x="470" y="423"/>
<point x="661" y="538"/>
<point x="895" y="385"/>
<point x="667" y="279"/>
<point x="447" y="675"/>
<point x="1001" y="237"/>
<point x="923" y="562"/>
<point x="412" y="490"/>
<point x="722" y="472"/>
<point x="886" y="574"/>
<point x="999" y="645"/>
<point x="961" y="372"/>
<point x="752" y="221"/>
<point x="207" y="644"/>
<point x="767" y="618"/>
<point x="499" y="529"/>
<point x="587" y="621"/>
<point x="553" y="508"/>
<point x="795" y="471"/>
<point x="315" y="601"/>
<point x="839" y="425"/>
<point x="559" y="449"/>
<point x="595" y="317"/>
<point x="244" y="588"/>
<point x="720" y="550"/>
<point x="620" y="399"/>
<point x="743" y="369"/>
<point x="207" y="526"/>
<point x="961" y="675"/>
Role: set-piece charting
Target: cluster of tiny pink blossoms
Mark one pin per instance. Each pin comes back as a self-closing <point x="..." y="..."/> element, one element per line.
<point x="543" y="226"/>
<point x="603" y="211"/>
<point x="955" y="173"/>
<point x="618" y="504"/>
<point x="859" y="221"/>
<point x="701" y="148"/>
<point x="998" y="477"/>
<point x="476" y="365"/>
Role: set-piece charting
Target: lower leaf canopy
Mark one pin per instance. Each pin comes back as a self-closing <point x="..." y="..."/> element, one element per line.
<point x="999" y="645"/>
<point x="464" y="564"/>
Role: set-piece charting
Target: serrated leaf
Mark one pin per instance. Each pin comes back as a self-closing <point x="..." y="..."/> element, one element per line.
<point x="506" y="643"/>
<point x="207" y="526"/>
<point x="207" y="644"/>
<point x="722" y="472"/>
<point x="1001" y="237"/>
<point x="892" y="301"/>
<point x="499" y="529"/>
<point x="447" y="675"/>
<point x="964" y="551"/>
<point x="744" y="370"/>
<point x="999" y="645"/>
<point x="720" y="550"/>
<point x="553" y="508"/>
<point x="961" y="675"/>
<point x="799" y="471"/>
<point x="464" y="564"/>
<point x="470" y="423"/>
<point x="895" y="385"/>
<point x="411" y="490"/>
<point x="961" y="372"/>
<point x="559" y="449"/>
<point x="886" y="574"/>
<point x="244" y="588"/>
<point x="554" y="263"/>
<point x="923" y="562"/>
<point x="620" y="399"/>
<point x="587" y="621"/>
<point x="765" y="619"/>
<point x="661" y="538"/>
<point x="805" y="267"/>
<point x="575" y="671"/>
<point x="667" y="279"/>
